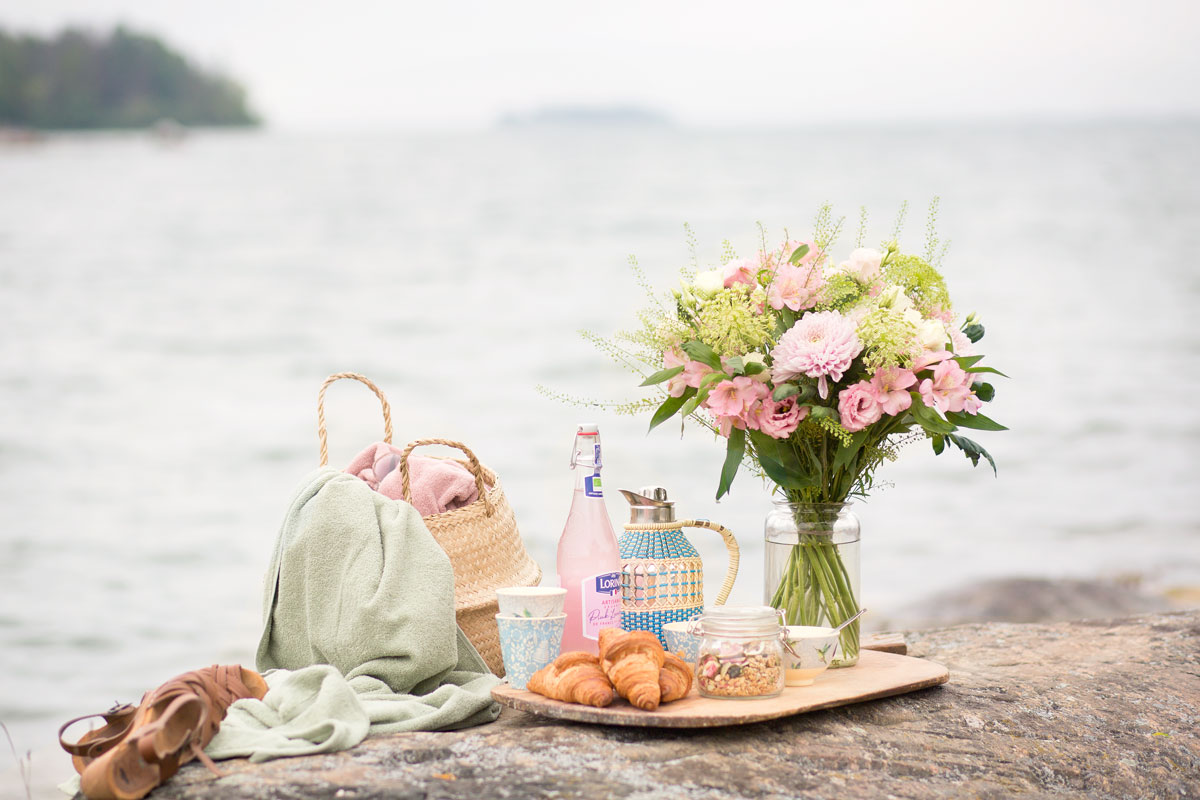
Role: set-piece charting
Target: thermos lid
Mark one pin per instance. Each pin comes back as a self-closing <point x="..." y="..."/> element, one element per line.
<point x="649" y="504"/>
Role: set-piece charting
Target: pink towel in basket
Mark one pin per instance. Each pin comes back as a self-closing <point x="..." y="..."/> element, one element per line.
<point x="438" y="484"/>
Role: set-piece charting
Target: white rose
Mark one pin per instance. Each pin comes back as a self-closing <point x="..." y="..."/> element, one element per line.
<point x="754" y="357"/>
<point x="709" y="282"/>
<point x="863" y="264"/>
<point x="932" y="334"/>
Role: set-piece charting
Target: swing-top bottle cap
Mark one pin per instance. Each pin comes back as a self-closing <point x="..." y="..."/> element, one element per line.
<point x="649" y="504"/>
<point x="588" y="429"/>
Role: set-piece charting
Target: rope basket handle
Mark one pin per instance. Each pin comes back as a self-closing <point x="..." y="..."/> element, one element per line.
<point x="731" y="547"/>
<point x="387" y="411"/>
<point x="472" y="461"/>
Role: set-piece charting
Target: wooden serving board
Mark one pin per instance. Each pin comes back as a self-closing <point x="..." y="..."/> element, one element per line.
<point x="877" y="674"/>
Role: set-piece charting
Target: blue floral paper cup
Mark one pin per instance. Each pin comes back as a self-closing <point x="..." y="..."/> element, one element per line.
<point x="528" y="644"/>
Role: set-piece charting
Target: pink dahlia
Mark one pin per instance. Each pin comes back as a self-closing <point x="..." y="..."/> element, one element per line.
<point x="858" y="406"/>
<point x="821" y="345"/>
<point x="797" y="288"/>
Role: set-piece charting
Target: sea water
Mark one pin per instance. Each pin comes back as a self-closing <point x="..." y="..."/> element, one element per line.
<point x="167" y="314"/>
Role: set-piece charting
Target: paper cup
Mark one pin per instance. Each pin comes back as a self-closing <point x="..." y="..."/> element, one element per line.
<point x="679" y="641"/>
<point x="528" y="644"/>
<point x="531" y="601"/>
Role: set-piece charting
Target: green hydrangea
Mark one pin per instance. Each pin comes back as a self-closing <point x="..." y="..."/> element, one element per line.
<point x="889" y="340"/>
<point x="924" y="285"/>
<point x="730" y="324"/>
<point x="840" y="292"/>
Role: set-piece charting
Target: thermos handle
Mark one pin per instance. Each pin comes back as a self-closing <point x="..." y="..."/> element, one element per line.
<point x="731" y="546"/>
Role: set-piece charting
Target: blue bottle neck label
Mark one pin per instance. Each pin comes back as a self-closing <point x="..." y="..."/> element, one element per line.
<point x="591" y="485"/>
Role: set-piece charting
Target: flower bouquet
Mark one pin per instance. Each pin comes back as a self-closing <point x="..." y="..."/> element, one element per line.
<point x="815" y="371"/>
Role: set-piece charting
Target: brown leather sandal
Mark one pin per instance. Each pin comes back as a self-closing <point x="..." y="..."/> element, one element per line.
<point x="95" y="743"/>
<point x="170" y="727"/>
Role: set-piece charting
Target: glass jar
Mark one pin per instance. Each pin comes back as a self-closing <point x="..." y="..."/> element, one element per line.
<point x="811" y="569"/>
<point x="740" y="653"/>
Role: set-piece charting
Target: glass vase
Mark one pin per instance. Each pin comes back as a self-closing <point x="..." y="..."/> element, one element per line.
<point x="811" y="569"/>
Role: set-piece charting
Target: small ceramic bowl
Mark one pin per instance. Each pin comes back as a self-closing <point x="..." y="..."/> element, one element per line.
<point x="814" y="650"/>
<point x="528" y="644"/>
<point x="679" y="641"/>
<point x="531" y="601"/>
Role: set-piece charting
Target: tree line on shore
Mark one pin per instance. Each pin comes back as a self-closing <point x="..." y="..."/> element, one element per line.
<point x="123" y="79"/>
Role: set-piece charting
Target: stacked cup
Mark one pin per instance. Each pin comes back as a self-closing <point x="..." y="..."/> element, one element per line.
<point x="531" y="621"/>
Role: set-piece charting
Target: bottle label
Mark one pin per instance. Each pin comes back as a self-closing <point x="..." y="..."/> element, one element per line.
<point x="601" y="598"/>
<point x="591" y="485"/>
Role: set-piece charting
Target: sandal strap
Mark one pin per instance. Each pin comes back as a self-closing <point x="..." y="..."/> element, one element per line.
<point x="121" y="714"/>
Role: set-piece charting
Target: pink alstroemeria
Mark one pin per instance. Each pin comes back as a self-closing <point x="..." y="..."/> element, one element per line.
<point x="858" y="406"/>
<point x="891" y="386"/>
<point x="733" y="398"/>
<point x="798" y="288"/>
<point x="742" y="270"/>
<point x="948" y="389"/>
<point x="693" y="372"/>
<point x="929" y="358"/>
<point x="725" y="425"/>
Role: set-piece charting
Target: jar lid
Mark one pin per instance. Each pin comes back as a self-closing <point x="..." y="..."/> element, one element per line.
<point x="739" y="621"/>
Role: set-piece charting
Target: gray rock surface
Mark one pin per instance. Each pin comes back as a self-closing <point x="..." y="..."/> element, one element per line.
<point x="1092" y="709"/>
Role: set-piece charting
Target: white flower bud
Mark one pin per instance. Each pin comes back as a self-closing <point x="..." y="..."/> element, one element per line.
<point x="709" y="282"/>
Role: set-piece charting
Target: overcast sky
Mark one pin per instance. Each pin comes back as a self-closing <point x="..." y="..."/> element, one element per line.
<point x="372" y="63"/>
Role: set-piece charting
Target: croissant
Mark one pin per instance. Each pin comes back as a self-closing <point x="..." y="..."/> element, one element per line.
<point x="674" y="679"/>
<point x="573" y="677"/>
<point x="632" y="660"/>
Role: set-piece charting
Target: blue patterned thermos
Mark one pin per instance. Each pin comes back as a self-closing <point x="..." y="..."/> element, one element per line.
<point x="662" y="577"/>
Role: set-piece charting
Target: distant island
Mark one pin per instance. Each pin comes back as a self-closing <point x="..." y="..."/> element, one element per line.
<point x="80" y="79"/>
<point x="584" y="116"/>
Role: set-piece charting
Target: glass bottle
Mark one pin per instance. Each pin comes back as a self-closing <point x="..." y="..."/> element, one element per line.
<point x="589" y="566"/>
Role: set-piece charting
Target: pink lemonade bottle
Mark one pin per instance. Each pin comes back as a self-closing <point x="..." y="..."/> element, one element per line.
<point x="589" y="565"/>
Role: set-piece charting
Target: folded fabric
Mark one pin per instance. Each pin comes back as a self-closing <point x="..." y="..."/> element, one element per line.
<point x="357" y="583"/>
<point x="438" y="484"/>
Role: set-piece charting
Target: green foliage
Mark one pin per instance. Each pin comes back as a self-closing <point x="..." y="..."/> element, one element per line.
<point x="841" y="291"/>
<point x="734" y="451"/>
<point x="922" y="283"/>
<point x="80" y="79"/>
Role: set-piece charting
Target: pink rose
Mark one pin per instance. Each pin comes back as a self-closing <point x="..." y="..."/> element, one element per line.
<point x="777" y="420"/>
<point x="858" y="406"/>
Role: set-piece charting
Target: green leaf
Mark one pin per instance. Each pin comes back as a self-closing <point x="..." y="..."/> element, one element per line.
<point x="928" y="418"/>
<point x="939" y="443"/>
<point x="967" y="361"/>
<point x="735" y="365"/>
<point x="977" y="421"/>
<point x="846" y="453"/>
<point x="985" y="392"/>
<point x="798" y="255"/>
<point x="733" y="459"/>
<point x="754" y="367"/>
<point x="784" y="478"/>
<point x="711" y="378"/>
<point x="974" y="332"/>
<point x="669" y="407"/>
<point x="662" y="375"/>
<point x="783" y="391"/>
<point x="972" y="450"/>
<point x="694" y="403"/>
<point x="977" y="370"/>
<point x="701" y="352"/>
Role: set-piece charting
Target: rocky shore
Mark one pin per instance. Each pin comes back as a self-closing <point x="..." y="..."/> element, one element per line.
<point x="1092" y="708"/>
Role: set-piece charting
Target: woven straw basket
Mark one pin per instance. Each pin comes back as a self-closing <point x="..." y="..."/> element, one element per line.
<point x="481" y="539"/>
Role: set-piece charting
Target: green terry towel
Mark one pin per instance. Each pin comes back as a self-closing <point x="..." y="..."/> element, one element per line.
<point x="359" y="634"/>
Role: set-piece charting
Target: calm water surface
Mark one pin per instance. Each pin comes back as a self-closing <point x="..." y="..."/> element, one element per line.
<point x="167" y="315"/>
